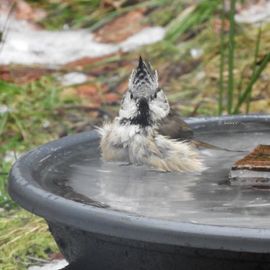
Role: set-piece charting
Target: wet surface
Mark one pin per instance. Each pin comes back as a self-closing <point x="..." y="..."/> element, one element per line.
<point x="208" y="198"/>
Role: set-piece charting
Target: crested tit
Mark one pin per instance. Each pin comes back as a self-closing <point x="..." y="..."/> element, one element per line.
<point x="133" y="137"/>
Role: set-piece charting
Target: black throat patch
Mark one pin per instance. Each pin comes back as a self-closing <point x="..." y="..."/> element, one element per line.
<point x="143" y="117"/>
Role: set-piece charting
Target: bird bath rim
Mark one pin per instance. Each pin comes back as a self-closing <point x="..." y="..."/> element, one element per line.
<point x="29" y="194"/>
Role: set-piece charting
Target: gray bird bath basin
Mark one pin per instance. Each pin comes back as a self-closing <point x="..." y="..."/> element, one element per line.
<point x="110" y="216"/>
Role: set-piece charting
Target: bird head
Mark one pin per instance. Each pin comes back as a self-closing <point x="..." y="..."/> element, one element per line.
<point x="144" y="102"/>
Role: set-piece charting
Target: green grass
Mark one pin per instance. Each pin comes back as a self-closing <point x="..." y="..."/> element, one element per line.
<point x="191" y="18"/>
<point x="30" y="120"/>
<point x="254" y="78"/>
<point x="25" y="237"/>
<point x="237" y="96"/>
<point x="24" y="240"/>
<point x="87" y="13"/>
<point x="222" y="64"/>
<point x="231" y="49"/>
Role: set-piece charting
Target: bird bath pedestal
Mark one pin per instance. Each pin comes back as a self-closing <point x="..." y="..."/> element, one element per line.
<point x="108" y="216"/>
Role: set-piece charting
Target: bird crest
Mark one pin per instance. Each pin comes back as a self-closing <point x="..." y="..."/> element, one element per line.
<point x="143" y="79"/>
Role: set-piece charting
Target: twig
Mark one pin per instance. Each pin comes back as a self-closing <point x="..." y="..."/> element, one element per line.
<point x="2" y="34"/>
<point x="34" y="259"/>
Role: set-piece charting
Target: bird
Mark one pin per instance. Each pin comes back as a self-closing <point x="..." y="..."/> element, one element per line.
<point x="174" y="127"/>
<point x="133" y="135"/>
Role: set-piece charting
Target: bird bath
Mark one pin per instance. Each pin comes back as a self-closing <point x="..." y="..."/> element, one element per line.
<point x="111" y="216"/>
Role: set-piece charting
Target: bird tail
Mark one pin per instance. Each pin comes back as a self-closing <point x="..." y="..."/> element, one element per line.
<point x="176" y="156"/>
<point x="199" y="144"/>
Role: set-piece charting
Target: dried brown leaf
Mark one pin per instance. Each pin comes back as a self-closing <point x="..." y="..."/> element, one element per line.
<point x="21" y="75"/>
<point x="24" y="11"/>
<point x="115" y="4"/>
<point x="122" y="87"/>
<point x="89" y="94"/>
<point x="122" y="27"/>
<point x="87" y="90"/>
<point x="217" y="25"/>
<point x="86" y="61"/>
<point x="111" y="98"/>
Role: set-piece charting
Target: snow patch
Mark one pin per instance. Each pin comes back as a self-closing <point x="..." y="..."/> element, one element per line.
<point x="26" y="45"/>
<point x="72" y="78"/>
<point x="255" y="14"/>
<point x="146" y="36"/>
<point x="4" y="109"/>
<point x="54" y="265"/>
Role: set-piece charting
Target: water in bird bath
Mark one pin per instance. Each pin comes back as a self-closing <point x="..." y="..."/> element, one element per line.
<point x="205" y="198"/>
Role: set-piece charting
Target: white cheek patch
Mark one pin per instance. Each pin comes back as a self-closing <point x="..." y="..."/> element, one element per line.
<point x="159" y="112"/>
<point x="128" y="108"/>
<point x="159" y="106"/>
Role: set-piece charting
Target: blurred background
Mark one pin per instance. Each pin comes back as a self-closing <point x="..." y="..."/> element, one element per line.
<point x="64" y="66"/>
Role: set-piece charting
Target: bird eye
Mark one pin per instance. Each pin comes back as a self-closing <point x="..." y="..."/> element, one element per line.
<point x="131" y="95"/>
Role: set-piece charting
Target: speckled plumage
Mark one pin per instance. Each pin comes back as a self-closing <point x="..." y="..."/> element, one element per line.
<point x="132" y="136"/>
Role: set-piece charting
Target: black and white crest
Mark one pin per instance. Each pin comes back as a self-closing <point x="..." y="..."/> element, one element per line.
<point x="144" y="103"/>
<point x="143" y="80"/>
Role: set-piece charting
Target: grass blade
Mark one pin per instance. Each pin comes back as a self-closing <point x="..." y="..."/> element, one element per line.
<point x="3" y="123"/>
<point x="253" y="80"/>
<point x="230" y="89"/>
<point x="189" y="18"/>
<point x="257" y="48"/>
<point x="221" y="67"/>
